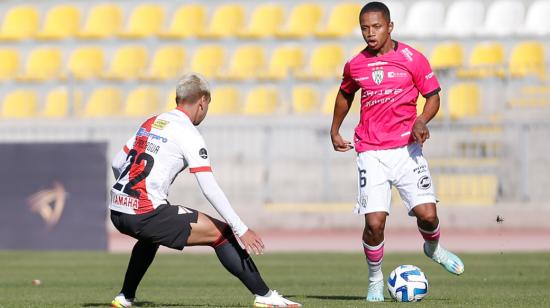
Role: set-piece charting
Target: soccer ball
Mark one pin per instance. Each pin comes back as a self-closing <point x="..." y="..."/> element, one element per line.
<point x="407" y="283"/>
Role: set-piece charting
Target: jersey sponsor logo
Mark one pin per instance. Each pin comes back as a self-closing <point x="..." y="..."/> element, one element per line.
<point x="369" y="93"/>
<point x="377" y="63"/>
<point x="379" y="101"/>
<point x="378" y="75"/>
<point x="429" y="76"/>
<point x="126" y="201"/>
<point x="160" y="124"/>
<point x="397" y="74"/>
<point x="203" y="153"/>
<point x="425" y="182"/>
<point x="142" y="132"/>
<point x="407" y="53"/>
<point x="361" y="78"/>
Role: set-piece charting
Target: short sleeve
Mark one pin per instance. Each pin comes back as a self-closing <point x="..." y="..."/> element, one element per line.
<point x="348" y="85"/>
<point x="196" y="154"/>
<point x="423" y="76"/>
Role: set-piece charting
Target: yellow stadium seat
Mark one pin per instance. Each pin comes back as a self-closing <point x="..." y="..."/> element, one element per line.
<point x="142" y="101"/>
<point x="284" y="61"/>
<point x="128" y="63"/>
<point x="527" y="58"/>
<point x="225" y="100"/>
<point x="326" y="62"/>
<point x="330" y="98"/>
<point x="342" y="21"/>
<point x="189" y="20"/>
<point x="464" y="100"/>
<point x="486" y="60"/>
<point x="20" y="22"/>
<point x="467" y="189"/>
<point x="62" y="22"/>
<point x="103" y="102"/>
<point x="208" y="60"/>
<point x="447" y="56"/>
<point x="9" y="64"/>
<point x="145" y="20"/>
<point x="265" y="21"/>
<point x="104" y="20"/>
<point x="59" y="105"/>
<point x="20" y="104"/>
<point x="167" y="63"/>
<point x="226" y="21"/>
<point x="304" y="19"/>
<point x="305" y="99"/>
<point x="42" y="64"/>
<point x="246" y="63"/>
<point x="86" y="63"/>
<point x="171" y="102"/>
<point x="262" y="101"/>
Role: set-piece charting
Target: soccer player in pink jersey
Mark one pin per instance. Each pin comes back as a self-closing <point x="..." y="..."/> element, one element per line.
<point x="389" y="139"/>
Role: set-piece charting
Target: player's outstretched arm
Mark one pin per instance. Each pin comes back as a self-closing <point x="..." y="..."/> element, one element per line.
<point x="214" y="194"/>
<point x="341" y="107"/>
<point x="420" y="131"/>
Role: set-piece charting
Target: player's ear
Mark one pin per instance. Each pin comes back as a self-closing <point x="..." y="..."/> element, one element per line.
<point x="390" y="26"/>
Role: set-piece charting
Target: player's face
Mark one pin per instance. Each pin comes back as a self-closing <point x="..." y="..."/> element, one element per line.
<point x="375" y="29"/>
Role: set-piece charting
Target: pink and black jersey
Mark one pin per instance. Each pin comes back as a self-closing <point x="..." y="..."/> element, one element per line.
<point x="389" y="88"/>
<point x="162" y="147"/>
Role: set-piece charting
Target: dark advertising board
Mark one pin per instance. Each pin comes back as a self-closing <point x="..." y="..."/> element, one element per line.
<point x="52" y="196"/>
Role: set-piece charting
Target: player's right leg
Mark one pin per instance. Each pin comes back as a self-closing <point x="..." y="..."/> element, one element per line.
<point x="373" y="201"/>
<point x="208" y="231"/>
<point x="373" y="245"/>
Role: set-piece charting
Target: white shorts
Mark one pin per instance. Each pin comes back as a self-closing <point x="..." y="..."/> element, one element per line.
<point x="404" y="167"/>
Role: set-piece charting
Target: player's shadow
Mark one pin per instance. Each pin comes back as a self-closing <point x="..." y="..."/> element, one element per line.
<point x="156" y="304"/>
<point x="336" y="297"/>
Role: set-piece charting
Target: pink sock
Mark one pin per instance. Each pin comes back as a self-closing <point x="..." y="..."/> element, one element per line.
<point x="430" y="235"/>
<point x="374" y="255"/>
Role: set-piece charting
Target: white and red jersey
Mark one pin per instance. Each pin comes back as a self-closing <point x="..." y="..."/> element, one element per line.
<point x="389" y="85"/>
<point x="162" y="147"/>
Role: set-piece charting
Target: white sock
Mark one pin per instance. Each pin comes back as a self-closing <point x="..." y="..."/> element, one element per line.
<point x="431" y="247"/>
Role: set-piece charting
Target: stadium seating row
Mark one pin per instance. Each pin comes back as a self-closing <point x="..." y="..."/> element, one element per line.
<point x="249" y="61"/>
<point x="463" y="18"/>
<point x="462" y="101"/>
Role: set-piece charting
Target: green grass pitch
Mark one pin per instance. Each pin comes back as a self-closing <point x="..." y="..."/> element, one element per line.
<point x="91" y="279"/>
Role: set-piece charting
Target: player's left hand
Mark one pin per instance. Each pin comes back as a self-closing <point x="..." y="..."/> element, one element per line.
<point x="420" y="131"/>
<point x="252" y="242"/>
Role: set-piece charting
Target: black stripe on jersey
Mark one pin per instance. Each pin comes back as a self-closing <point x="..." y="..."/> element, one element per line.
<point x="434" y="92"/>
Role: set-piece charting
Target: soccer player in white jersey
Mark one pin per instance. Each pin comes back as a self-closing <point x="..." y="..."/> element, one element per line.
<point x="389" y="138"/>
<point x="162" y="147"/>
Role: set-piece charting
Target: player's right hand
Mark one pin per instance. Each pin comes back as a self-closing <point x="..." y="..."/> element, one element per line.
<point x="252" y="242"/>
<point x="340" y="144"/>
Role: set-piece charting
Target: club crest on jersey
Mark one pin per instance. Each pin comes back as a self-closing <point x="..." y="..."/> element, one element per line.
<point x="378" y="76"/>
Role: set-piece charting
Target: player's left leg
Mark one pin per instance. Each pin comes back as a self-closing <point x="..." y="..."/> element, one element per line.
<point x="208" y="231"/>
<point x="428" y="225"/>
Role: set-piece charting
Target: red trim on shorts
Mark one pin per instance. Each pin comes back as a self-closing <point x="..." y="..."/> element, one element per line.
<point x="126" y="149"/>
<point x="200" y="169"/>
